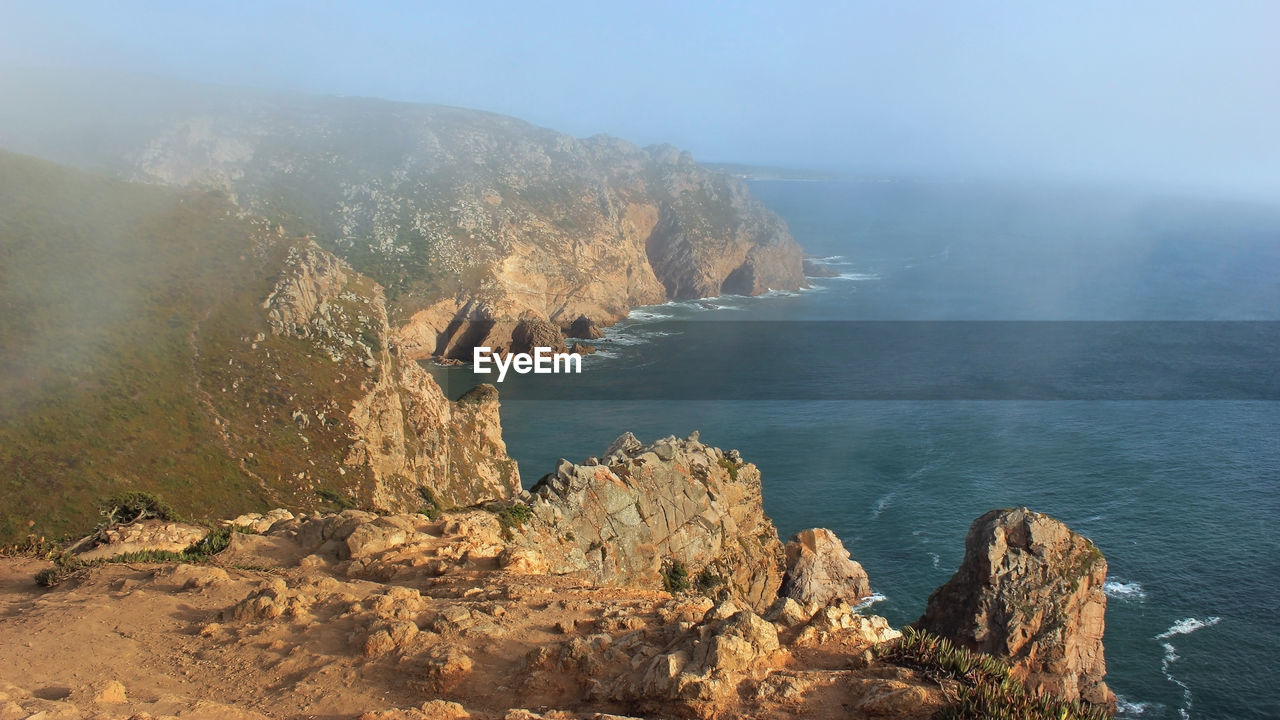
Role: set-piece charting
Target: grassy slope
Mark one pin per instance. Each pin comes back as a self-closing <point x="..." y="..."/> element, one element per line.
<point x="102" y="284"/>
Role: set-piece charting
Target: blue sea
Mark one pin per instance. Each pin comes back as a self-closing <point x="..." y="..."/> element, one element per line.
<point x="1180" y="493"/>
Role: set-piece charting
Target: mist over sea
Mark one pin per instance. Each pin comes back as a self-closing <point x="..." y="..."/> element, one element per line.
<point x="1182" y="495"/>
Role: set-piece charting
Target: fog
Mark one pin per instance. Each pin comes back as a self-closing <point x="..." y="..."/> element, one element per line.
<point x="1170" y="94"/>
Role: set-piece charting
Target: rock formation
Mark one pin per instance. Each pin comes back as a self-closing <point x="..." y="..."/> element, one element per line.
<point x="819" y="570"/>
<point x="414" y="441"/>
<point x="645" y="514"/>
<point x="1030" y="590"/>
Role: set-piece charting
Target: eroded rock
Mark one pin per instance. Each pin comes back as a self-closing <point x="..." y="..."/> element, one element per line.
<point x="1030" y="590"/>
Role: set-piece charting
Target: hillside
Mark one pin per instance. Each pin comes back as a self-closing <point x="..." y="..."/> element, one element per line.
<point x="158" y="339"/>
<point x="468" y="218"/>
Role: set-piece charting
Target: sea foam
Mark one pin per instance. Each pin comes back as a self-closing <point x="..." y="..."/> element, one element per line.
<point x="1185" y="626"/>
<point x="1120" y="590"/>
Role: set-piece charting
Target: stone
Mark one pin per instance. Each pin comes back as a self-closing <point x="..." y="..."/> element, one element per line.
<point x="648" y="508"/>
<point x="1030" y="590"/>
<point x="112" y="692"/>
<point x="820" y="570"/>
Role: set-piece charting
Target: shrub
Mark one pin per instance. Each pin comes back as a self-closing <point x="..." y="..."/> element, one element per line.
<point x="512" y="517"/>
<point x="126" y="507"/>
<point x="730" y="467"/>
<point x="675" y="576"/>
<point x="709" y="579"/>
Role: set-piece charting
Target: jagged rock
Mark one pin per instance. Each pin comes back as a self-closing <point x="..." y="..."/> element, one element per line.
<point x="534" y="332"/>
<point x="648" y="506"/>
<point x="817" y="269"/>
<point x="584" y="328"/>
<point x="1029" y="589"/>
<point x="819" y="570"/>
<point x="788" y="613"/>
<point x="839" y="616"/>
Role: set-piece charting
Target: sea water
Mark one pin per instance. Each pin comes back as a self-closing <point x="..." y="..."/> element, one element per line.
<point x="1181" y="495"/>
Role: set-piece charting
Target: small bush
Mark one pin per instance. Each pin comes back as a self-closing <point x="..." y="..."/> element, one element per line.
<point x="126" y="507"/>
<point x="708" y="579"/>
<point x="730" y="467"/>
<point x="513" y="517"/>
<point x="675" y="576"/>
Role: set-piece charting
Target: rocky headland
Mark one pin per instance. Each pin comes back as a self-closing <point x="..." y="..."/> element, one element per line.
<point x="239" y="334"/>
<point x="646" y="583"/>
<point x="481" y="227"/>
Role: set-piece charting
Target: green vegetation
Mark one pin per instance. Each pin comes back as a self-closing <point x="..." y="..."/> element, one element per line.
<point x="125" y="507"/>
<point x="513" y="517"/>
<point x="138" y="357"/>
<point x="432" y="506"/>
<point x="675" y="576"/>
<point x="338" y="501"/>
<point x="984" y="687"/>
<point x="730" y="467"/>
<point x="708" y="579"/>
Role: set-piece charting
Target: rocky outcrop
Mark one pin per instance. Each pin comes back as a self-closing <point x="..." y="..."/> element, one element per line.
<point x="584" y="329"/>
<point x="310" y="277"/>
<point x="1030" y="590"/>
<point x="820" y="570"/>
<point x="415" y="442"/>
<point x="670" y="512"/>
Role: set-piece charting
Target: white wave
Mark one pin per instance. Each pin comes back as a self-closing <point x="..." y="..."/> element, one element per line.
<point x="622" y="339"/>
<point x="648" y="312"/>
<point x="856" y="276"/>
<point x="1186" y="626"/>
<point x="771" y="293"/>
<point x="881" y="504"/>
<point x="936" y="560"/>
<point x="1120" y="590"/>
<point x="1133" y="708"/>
<point x="867" y="602"/>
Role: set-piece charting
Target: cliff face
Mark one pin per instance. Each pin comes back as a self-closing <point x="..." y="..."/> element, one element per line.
<point x="1029" y="589"/>
<point x="158" y="340"/>
<point x="403" y="429"/>
<point x="470" y="220"/>
<point x="474" y="221"/>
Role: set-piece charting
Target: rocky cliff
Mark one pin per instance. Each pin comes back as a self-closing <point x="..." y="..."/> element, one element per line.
<point x="1029" y="589"/>
<point x="415" y="443"/>
<point x="472" y="221"/>
<point x="160" y="340"/>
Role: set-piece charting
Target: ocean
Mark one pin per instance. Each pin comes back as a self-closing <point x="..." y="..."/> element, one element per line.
<point x="1171" y="469"/>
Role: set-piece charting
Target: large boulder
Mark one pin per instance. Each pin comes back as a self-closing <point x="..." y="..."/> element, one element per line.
<point x="1029" y="590"/>
<point x="820" y="570"/>
<point x="673" y="513"/>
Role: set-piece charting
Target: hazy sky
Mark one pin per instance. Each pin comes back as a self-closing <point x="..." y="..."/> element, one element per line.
<point x="1172" y="92"/>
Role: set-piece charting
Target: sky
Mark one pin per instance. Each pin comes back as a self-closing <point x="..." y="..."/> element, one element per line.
<point x="1166" y="93"/>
